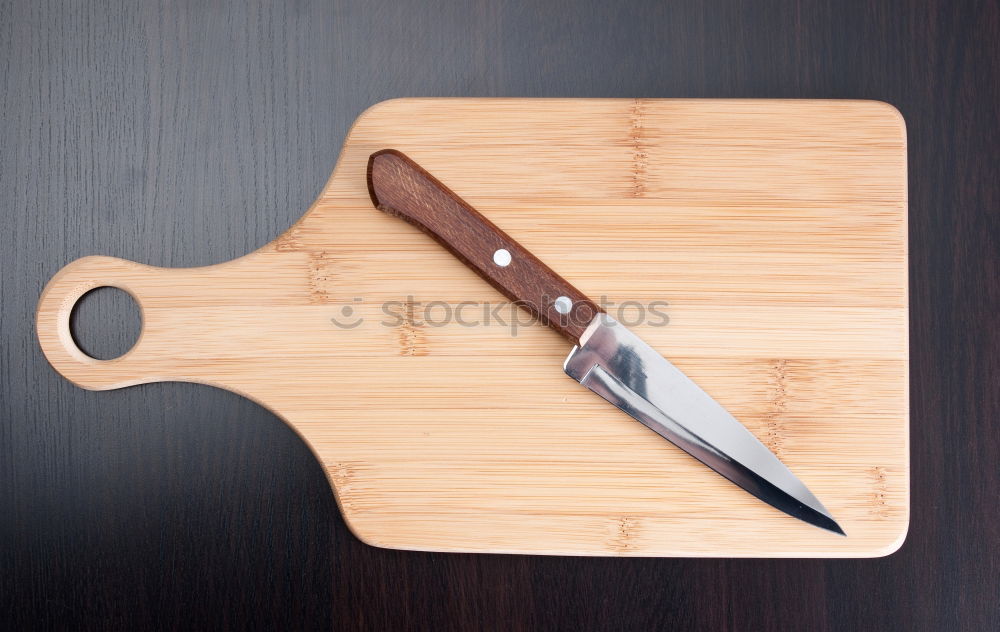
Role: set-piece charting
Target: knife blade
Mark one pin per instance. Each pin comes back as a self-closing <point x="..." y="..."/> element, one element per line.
<point x="606" y="357"/>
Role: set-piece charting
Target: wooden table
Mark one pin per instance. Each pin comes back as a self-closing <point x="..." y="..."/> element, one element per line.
<point x="182" y="136"/>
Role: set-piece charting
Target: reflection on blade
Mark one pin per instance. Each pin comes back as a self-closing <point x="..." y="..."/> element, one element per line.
<point x="617" y="365"/>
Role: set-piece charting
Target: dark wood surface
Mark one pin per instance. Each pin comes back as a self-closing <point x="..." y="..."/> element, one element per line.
<point x="401" y="187"/>
<point x="188" y="133"/>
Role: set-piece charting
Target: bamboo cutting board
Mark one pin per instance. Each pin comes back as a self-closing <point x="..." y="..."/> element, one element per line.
<point x="775" y="231"/>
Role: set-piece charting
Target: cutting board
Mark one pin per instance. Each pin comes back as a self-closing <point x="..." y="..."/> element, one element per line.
<point x="774" y="231"/>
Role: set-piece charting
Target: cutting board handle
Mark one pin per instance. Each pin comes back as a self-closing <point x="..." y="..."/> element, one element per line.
<point x="53" y="323"/>
<point x="402" y="188"/>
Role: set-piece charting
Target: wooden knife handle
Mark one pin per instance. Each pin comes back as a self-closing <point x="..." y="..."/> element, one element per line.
<point x="402" y="188"/>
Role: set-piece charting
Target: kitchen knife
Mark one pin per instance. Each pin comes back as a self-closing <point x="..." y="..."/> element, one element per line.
<point x="607" y="358"/>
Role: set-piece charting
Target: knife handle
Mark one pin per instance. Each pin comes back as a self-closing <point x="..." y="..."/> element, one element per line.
<point x="400" y="187"/>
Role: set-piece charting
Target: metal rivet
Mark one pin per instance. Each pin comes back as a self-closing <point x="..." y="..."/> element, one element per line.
<point x="501" y="258"/>
<point x="563" y="304"/>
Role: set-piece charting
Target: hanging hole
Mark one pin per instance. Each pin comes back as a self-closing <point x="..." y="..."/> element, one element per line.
<point x="105" y="323"/>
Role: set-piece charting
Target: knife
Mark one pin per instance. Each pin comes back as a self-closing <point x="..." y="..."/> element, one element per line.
<point x="607" y="358"/>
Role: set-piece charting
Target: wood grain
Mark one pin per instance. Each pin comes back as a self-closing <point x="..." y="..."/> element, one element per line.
<point x="789" y="309"/>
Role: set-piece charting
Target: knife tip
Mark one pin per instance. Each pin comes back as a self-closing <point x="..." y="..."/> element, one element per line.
<point x="824" y="521"/>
